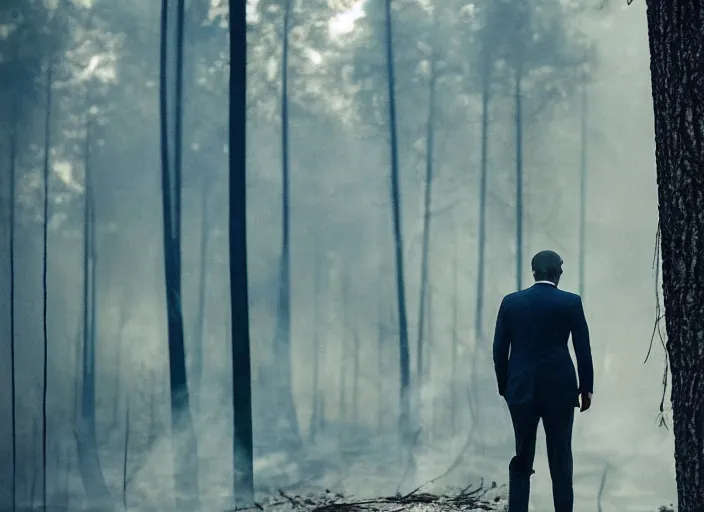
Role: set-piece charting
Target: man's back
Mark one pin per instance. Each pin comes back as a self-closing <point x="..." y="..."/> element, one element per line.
<point x="531" y="354"/>
<point x="535" y="375"/>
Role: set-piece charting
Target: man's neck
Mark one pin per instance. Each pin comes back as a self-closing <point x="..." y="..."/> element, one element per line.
<point x="545" y="282"/>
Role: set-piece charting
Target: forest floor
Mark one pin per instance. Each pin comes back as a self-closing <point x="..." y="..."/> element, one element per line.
<point x="470" y="499"/>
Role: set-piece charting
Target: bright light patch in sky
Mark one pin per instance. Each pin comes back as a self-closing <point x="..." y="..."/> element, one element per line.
<point x="344" y="22"/>
<point x="314" y="56"/>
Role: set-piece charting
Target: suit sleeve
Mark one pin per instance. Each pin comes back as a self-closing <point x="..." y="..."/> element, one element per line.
<point x="582" y="349"/>
<point x="502" y="343"/>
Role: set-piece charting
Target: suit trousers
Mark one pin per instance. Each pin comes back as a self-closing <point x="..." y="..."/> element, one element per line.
<point x="557" y="423"/>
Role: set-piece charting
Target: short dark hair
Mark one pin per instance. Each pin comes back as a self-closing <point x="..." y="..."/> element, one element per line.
<point x="546" y="265"/>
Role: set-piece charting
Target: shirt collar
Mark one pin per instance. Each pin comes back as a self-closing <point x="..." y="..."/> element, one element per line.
<point x="545" y="282"/>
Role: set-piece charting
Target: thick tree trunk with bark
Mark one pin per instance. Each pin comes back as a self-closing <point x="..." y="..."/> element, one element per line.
<point x="676" y="36"/>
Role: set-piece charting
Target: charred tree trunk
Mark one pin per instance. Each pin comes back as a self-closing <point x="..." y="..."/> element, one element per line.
<point x="404" y="360"/>
<point x="86" y="438"/>
<point x="185" y="452"/>
<point x="676" y="46"/>
<point x="519" y="177"/>
<point x="243" y="454"/>
<point x="427" y="202"/>
<point x="45" y="225"/>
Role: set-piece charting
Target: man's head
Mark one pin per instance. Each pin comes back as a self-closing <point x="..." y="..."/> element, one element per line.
<point x="547" y="266"/>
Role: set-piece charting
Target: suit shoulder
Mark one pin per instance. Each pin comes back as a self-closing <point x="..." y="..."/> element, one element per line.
<point x="573" y="298"/>
<point x="511" y="296"/>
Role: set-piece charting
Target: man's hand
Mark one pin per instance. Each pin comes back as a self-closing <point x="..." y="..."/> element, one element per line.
<point x="585" y="402"/>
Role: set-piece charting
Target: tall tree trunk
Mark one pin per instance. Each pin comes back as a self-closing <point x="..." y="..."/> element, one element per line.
<point x="185" y="452"/>
<point x="151" y="436"/>
<point x="45" y="225"/>
<point x="455" y="339"/>
<point x="519" y="177"/>
<point x="429" y="367"/>
<point x="283" y="389"/>
<point x="355" y="377"/>
<point x="77" y="375"/>
<point x="427" y="200"/>
<point x="676" y="46"/>
<point x="13" y="394"/>
<point x="243" y="454"/>
<point x="404" y="360"/>
<point x="202" y="288"/>
<point x="344" y="350"/>
<point x="380" y="368"/>
<point x="118" y="373"/>
<point x="33" y="466"/>
<point x="481" y="241"/>
<point x="583" y="187"/>
<point x="86" y="437"/>
<point x="315" y="417"/>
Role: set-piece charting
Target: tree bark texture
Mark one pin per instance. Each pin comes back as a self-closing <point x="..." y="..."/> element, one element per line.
<point x="676" y="33"/>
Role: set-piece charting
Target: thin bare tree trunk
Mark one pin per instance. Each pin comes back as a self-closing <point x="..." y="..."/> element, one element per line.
<point x="13" y="394"/>
<point x="404" y="359"/>
<point x="86" y="437"/>
<point x="124" y="459"/>
<point x="355" y="377"/>
<point x="315" y="417"/>
<point x="45" y="224"/>
<point x="481" y="242"/>
<point x="344" y="350"/>
<point x="380" y="368"/>
<point x="427" y="203"/>
<point x="202" y="288"/>
<point x="519" y="178"/>
<point x="455" y="307"/>
<point x="583" y="188"/>
<point x="283" y="389"/>
<point x="185" y="452"/>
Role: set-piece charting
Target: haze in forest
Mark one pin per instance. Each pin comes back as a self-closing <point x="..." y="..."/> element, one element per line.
<point x="342" y="268"/>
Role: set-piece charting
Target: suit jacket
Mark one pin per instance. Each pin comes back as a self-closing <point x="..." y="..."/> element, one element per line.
<point x="531" y="357"/>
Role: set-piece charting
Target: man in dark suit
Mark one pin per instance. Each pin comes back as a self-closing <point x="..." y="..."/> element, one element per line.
<point x="537" y="379"/>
